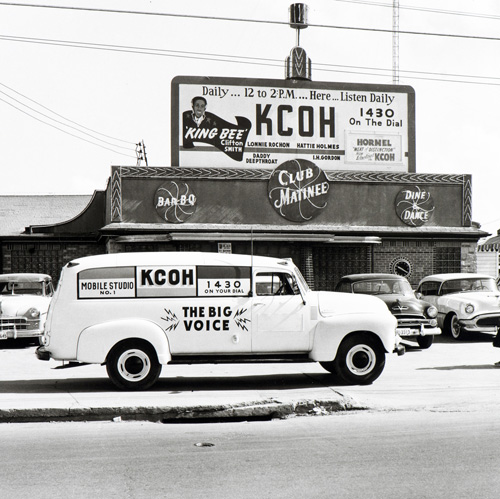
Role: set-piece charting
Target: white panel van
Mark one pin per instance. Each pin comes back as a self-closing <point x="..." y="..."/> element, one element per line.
<point x="134" y="312"/>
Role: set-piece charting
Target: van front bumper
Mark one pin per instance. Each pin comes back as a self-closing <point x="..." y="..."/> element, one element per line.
<point x="400" y="349"/>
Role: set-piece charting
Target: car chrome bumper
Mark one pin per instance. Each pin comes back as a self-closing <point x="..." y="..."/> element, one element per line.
<point x="486" y="323"/>
<point x="404" y="332"/>
<point x="14" y="334"/>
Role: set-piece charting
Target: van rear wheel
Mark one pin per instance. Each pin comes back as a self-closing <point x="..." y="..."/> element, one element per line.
<point x="133" y="365"/>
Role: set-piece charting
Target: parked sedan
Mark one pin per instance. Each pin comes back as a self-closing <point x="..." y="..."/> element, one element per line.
<point x="24" y="301"/>
<point x="466" y="302"/>
<point x="416" y="318"/>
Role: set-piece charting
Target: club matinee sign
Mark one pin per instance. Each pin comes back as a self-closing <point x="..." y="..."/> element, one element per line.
<point x="298" y="190"/>
<point x="256" y="123"/>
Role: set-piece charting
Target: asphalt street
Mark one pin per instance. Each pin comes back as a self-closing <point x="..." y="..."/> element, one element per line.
<point x="449" y="376"/>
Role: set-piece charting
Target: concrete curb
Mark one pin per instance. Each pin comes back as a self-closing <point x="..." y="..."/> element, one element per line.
<point x="262" y="409"/>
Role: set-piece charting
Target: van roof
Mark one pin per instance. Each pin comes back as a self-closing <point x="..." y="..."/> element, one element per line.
<point x="175" y="258"/>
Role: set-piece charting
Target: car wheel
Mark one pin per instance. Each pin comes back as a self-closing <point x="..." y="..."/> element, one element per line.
<point x="425" y="341"/>
<point x="453" y="327"/>
<point x="360" y="360"/>
<point x="133" y="365"/>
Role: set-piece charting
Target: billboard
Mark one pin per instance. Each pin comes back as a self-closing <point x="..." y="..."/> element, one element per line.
<point x="257" y="123"/>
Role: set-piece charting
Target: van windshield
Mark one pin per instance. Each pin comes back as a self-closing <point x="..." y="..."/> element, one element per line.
<point x="301" y="281"/>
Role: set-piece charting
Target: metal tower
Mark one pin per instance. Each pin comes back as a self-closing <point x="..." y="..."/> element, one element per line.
<point x="395" y="42"/>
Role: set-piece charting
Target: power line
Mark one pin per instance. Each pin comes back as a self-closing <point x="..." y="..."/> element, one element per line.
<point x="61" y="116"/>
<point x="136" y="50"/>
<point x="424" y="9"/>
<point x="60" y="122"/>
<point x="234" y="19"/>
<point x="444" y="80"/>
<point x="403" y="32"/>
<point x="411" y="72"/>
<point x="62" y="130"/>
<point x="444" y="77"/>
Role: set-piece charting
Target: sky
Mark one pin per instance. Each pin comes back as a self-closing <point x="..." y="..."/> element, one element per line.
<point x="68" y="112"/>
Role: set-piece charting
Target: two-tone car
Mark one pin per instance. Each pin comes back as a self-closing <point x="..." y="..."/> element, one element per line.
<point x="466" y="302"/>
<point x="24" y="301"/>
<point x="416" y="317"/>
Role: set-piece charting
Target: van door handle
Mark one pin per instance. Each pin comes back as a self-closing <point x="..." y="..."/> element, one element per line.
<point x="258" y="303"/>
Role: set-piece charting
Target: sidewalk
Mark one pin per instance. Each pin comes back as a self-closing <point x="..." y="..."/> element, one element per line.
<point x="33" y="390"/>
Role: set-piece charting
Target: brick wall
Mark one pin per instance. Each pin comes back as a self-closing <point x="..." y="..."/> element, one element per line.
<point x="418" y="254"/>
<point x="46" y="258"/>
<point x="425" y="257"/>
<point x="322" y="265"/>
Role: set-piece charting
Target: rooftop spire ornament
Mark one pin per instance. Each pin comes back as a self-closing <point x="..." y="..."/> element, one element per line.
<point x="297" y="64"/>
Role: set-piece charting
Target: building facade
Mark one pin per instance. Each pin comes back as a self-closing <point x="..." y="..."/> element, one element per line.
<point x="333" y="224"/>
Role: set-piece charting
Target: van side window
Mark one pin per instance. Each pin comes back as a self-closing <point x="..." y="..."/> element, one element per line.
<point x="275" y="283"/>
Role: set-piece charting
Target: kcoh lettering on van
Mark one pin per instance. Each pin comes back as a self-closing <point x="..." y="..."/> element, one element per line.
<point x="166" y="281"/>
<point x="162" y="277"/>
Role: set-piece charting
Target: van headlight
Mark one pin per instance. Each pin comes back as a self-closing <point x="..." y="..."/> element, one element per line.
<point x="469" y="308"/>
<point x="432" y="312"/>
<point x="33" y="313"/>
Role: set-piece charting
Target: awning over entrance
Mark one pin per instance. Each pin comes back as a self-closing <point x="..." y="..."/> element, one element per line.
<point x="146" y="232"/>
<point x="228" y="236"/>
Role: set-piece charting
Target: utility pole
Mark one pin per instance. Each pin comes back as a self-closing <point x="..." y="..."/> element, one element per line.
<point x="140" y="152"/>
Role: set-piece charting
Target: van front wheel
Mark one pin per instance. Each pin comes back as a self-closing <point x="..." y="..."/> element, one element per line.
<point x="133" y="365"/>
<point x="360" y="360"/>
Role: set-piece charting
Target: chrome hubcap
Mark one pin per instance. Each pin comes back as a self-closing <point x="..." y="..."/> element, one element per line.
<point x="134" y="365"/>
<point x="361" y="359"/>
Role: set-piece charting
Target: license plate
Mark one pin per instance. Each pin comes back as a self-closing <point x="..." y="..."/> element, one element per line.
<point x="3" y="335"/>
<point x="405" y="331"/>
